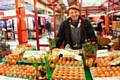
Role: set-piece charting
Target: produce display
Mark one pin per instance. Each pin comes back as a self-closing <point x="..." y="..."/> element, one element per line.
<point x="21" y="48"/>
<point x="90" y="52"/>
<point x="66" y="65"/>
<point x="68" y="73"/>
<point x="103" y="62"/>
<point x="25" y="71"/>
<point x="106" y="71"/>
<point x="11" y="59"/>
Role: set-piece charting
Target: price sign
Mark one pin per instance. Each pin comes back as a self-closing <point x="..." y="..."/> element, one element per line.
<point x="35" y="54"/>
<point x="102" y="53"/>
<point x="77" y="57"/>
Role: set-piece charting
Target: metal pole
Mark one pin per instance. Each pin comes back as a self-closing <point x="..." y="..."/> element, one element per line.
<point x="36" y="24"/>
<point x="54" y="20"/>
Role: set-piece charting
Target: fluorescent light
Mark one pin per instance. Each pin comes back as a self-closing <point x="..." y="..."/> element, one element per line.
<point x="96" y="15"/>
<point x="65" y="2"/>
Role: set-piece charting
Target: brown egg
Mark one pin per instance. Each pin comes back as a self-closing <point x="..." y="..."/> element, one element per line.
<point x="117" y="72"/>
<point x="95" y="75"/>
<point x="102" y="75"/>
<point x="68" y="62"/>
<point x="114" y="68"/>
<point x="114" y="75"/>
<point x="72" y="62"/>
<point x="111" y="72"/>
<point x="107" y="75"/>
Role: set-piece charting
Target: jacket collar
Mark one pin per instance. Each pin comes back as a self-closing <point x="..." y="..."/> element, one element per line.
<point x="79" y="19"/>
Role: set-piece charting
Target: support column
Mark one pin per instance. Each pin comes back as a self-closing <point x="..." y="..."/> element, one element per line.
<point x="21" y="23"/>
<point x="107" y="22"/>
<point x="54" y="20"/>
<point x="36" y="24"/>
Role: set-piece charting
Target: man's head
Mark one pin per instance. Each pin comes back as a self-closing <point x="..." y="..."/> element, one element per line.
<point x="73" y="12"/>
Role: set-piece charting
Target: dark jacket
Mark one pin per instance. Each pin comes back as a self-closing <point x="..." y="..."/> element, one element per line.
<point x="99" y="27"/>
<point x="64" y="34"/>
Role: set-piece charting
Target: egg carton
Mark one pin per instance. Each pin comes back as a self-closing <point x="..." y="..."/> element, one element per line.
<point x="105" y="73"/>
<point x="68" y="73"/>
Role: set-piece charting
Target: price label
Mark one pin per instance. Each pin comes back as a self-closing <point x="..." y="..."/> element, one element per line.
<point x="77" y="57"/>
<point x="102" y="53"/>
<point x="10" y="78"/>
<point x="35" y="54"/>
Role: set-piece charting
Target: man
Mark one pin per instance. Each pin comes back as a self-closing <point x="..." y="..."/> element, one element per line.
<point x="74" y="31"/>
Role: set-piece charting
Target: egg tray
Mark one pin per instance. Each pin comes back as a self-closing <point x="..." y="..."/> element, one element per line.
<point x="106" y="72"/>
<point x="69" y="62"/>
<point x="18" y="71"/>
<point x="68" y="73"/>
<point x="104" y="63"/>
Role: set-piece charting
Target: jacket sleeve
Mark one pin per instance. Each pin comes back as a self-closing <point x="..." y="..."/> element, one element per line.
<point x="90" y="34"/>
<point x="61" y="35"/>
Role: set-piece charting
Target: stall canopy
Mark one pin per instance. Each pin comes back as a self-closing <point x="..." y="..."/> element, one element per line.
<point x="88" y="6"/>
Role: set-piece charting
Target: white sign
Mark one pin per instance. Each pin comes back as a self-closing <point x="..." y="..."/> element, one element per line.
<point x="77" y="57"/>
<point x="35" y="54"/>
<point x="10" y="78"/>
<point x="108" y="78"/>
<point x="102" y="53"/>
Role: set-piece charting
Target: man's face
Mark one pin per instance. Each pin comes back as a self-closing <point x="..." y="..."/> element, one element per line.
<point x="74" y="14"/>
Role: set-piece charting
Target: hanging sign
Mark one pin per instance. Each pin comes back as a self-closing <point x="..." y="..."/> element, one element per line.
<point x="21" y="3"/>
